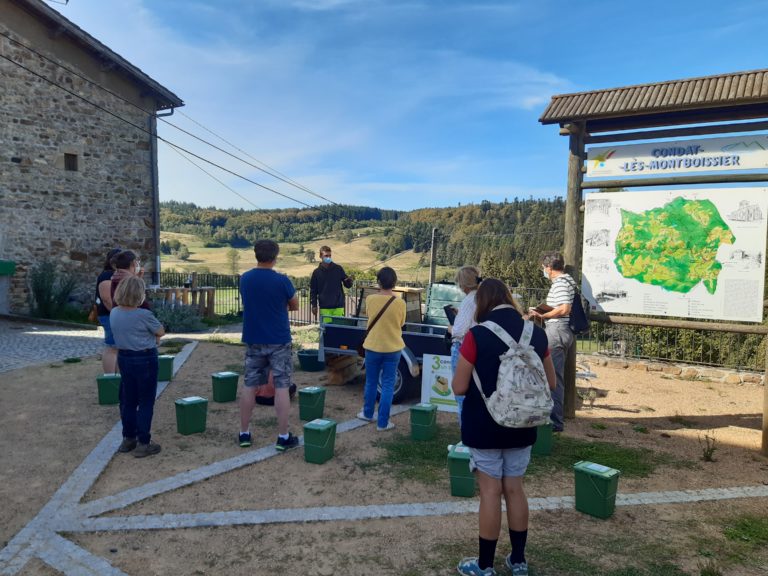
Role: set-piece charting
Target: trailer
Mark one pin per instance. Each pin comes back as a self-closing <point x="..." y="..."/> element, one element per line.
<point x="341" y="335"/>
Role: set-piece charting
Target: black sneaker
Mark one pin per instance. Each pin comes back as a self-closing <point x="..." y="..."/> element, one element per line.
<point x="286" y="444"/>
<point x="244" y="439"/>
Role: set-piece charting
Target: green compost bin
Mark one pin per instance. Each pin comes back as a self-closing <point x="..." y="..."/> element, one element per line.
<point x="108" y="388"/>
<point x="596" y="487"/>
<point x="311" y="402"/>
<point x="224" y="386"/>
<point x="423" y="421"/>
<point x="462" y="480"/>
<point x="191" y="415"/>
<point x="165" y="367"/>
<point x="319" y="440"/>
<point x="543" y="445"/>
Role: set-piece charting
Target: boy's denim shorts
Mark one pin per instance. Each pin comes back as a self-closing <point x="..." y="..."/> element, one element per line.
<point x="260" y="359"/>
<point x="500" y="463"/>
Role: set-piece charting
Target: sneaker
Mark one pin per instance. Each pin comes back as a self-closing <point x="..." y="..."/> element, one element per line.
<point x="389" y="426"/>
<point x="287" y="444"/>
<point x="470" y="567"/>
<point x="143" y="450"/>
<point x="519" y="569"/>
<point x="127" y="445"/>
<point x="361" y="415"/>
<point x="244" y="439"/>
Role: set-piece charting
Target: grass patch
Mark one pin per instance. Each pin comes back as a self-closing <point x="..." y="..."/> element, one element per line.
<point x="425" y="460"/>
<point x="640" y="429"/>
<point x="566" y="451"/>
<point x="749" y="530"/>
<point x="598" y="426"/>
<point x="216" y="339"/>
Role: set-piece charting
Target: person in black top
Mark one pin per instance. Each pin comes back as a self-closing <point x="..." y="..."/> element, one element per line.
<point x="499" y="455"/>
<point x="325" y="286"/>
<point x="103" y="301"/>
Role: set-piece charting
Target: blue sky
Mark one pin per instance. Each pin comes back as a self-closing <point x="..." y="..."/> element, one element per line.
<point x="401" y="103"/>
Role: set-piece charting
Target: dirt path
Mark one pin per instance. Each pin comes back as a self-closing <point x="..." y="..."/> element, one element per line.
<point x="51" y="421"/>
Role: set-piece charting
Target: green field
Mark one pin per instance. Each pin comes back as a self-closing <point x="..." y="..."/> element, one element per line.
<point x="356" y="254"/>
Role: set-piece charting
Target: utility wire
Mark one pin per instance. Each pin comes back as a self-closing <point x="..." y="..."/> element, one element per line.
<point x="162" y="139"/>
<point x="267" y="170"/>
<point x="195" y="164"/>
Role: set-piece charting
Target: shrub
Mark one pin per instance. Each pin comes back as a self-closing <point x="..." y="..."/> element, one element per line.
<point x="50" y="289"/>
<point x="179" y="318"/>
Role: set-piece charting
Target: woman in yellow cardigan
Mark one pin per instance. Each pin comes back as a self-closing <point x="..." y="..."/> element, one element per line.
<point x="382" y="348"/>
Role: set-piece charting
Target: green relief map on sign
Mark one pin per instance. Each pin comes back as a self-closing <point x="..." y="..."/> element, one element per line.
<point x="674" y="246"/>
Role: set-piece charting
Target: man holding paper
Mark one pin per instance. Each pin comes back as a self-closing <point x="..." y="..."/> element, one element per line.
<point x="555" y="315"/>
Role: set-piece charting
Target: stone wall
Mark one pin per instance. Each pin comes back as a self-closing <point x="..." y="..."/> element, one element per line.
<point x="70" y="216"/>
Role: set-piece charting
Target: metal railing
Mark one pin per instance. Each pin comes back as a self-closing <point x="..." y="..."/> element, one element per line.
<point x="668" y="344"/>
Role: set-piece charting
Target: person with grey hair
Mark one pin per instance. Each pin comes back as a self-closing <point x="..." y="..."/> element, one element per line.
<point x="467" y="279"/>
<point x="137" y="333"/>
<point x="559" y="334"/>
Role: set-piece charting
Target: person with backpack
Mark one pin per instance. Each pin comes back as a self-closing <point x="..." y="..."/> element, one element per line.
<point x="500" y="453"/>
<point x="559" y="333"/>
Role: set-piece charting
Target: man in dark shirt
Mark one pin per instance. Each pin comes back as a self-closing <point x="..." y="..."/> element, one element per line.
<point x="325" y="286"/>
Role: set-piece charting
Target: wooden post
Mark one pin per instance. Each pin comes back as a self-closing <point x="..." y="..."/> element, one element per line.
<point x="572" y="245"/>
<point x="433" y="257"/>
<point x="764" y="445"/>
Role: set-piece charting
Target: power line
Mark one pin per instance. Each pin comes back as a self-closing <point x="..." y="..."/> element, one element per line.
<point x="148" y="132"/>
<point x="268" y="170"/>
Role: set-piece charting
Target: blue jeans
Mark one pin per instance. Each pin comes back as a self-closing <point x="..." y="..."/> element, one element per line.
<point x="138" y="388"/>
<point x="454" y="362"/>
<point x="380" y="365"/>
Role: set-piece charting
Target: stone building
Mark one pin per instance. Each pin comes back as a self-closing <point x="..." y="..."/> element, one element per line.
<point x="78" y="155"/>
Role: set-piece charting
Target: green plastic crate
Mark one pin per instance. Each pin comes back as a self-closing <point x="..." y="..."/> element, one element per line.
<point x="319" y="440"/>
<point x="311" y="402"/>
<point x="423" y="421"/>
<point x="191" y="415"/>
<point x="108" y="388"/>
<point x="7" y="267"/>
<point x="543" y="445"/>
<point x="462" y="480"/>
<point x="224" y="386"/>
<point x="165" y="367"/>
<point x="596" y="487"/>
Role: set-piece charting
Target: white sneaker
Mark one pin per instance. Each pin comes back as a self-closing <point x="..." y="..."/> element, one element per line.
<point x="389" y="426"/>
<point x="362" y="416"/>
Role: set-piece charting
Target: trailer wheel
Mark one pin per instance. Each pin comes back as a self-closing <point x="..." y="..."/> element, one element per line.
<point x="403" y="384"/>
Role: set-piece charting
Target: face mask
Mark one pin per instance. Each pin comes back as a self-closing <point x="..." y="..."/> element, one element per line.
<point x="544" y="273"/>
<point x="327" y="259"/>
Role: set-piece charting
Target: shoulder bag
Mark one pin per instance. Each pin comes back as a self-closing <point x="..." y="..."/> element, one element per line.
<point x="360" y="349"/>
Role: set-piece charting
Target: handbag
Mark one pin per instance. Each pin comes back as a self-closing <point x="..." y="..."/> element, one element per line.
<point x="360" y="349"/>
<point x="578" y="321"/>
<point x="93" y="315"/>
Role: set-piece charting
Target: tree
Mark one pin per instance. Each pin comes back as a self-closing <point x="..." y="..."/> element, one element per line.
<point x="233" y="261"/>
<point x="183" y="252"/>
<point x="309" y="255"/>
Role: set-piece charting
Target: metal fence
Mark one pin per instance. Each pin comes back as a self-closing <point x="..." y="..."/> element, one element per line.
<point x="684" y="345"/>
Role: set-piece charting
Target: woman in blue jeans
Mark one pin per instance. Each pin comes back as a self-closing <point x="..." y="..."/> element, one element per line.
<point x="383" y="345"/>
<point x="137" y="333"/>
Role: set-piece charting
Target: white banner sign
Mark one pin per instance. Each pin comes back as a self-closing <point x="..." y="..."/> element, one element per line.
<point x="685" y="253"/>
<point x="748" y="152"/>
<point x="436" y="379"/>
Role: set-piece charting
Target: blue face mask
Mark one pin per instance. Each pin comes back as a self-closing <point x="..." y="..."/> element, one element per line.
<point x="327" y="259"/>
<point x="544" y="272"/>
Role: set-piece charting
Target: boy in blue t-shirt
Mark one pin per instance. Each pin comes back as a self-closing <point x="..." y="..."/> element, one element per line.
<point x="267" y="298"/>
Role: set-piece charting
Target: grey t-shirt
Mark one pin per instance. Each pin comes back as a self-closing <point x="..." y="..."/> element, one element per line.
<point x="134" y="329"/>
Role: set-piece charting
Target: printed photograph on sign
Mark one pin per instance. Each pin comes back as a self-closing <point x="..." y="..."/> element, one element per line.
<point x="682" y="253"/>
<point x="436" y="383"/>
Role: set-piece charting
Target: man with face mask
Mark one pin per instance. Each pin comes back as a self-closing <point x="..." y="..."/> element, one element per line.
<point x="559" y="298"/>
<point x="325" y="286"/>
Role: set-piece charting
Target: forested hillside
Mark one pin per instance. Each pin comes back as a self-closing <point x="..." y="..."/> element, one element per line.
<point x="505" y="239"/>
